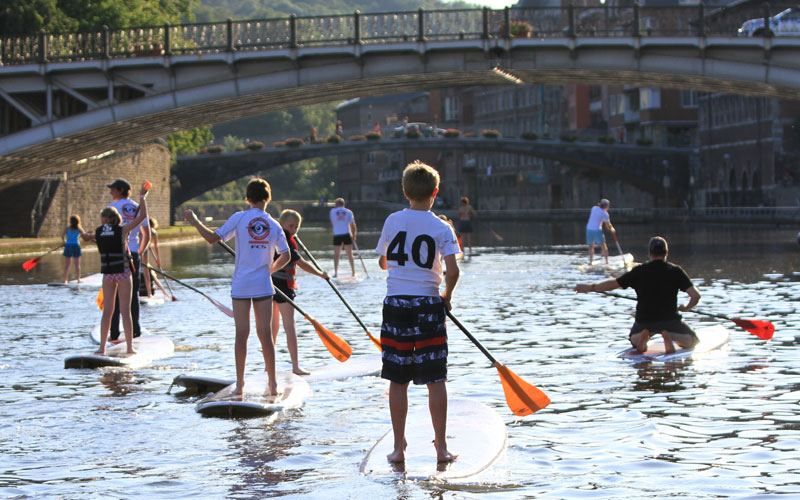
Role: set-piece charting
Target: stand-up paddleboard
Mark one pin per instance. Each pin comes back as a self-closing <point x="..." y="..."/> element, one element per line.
<point x="348" y="279"/>
<point x="614" y="262"/>
<point x="148" y="347"/>
<point x="255" y="402"/>
<point x="91" y="281"/>
<point x="475" y="433"/>
<point x="94" y="335"/>
<point x="153" y="300"/>
<point x="712" y="338"/>
<point x="357" y="366"/>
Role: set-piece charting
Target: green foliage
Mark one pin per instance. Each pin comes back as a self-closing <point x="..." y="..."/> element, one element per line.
<point x="30" y="16"/>
<point x="232" y="143"/>
<point x="220" y="10"/>
<point x="188" y="142"/>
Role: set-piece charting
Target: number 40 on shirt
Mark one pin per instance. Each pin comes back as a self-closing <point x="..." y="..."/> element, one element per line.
<point x="397" y="253"/>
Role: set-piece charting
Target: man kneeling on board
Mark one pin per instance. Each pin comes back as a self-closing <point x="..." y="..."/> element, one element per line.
<point x="656" y="283"/>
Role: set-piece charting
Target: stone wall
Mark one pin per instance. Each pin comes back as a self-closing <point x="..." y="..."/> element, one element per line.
<point x="85" y="193"/>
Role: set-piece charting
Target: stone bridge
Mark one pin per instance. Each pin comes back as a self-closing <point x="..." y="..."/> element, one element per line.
<point x="639" y="166"/>
<point x="67" y="97"/>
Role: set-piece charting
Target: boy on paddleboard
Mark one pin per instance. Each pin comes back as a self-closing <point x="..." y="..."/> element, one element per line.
<point x="656" y="283"/>
<point x="412" y="245"/>
<point x="344" y="234"/>
<point x="285" y="281"/>
<point x="258" y="236"/>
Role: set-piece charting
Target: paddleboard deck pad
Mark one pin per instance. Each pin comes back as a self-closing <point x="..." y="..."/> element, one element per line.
<point x="712" y="338"/>
<point x="475" y="433"/>
<point x="255" y="402"/>
<point x="358" y="366"/>
<point x="148" y="347"/>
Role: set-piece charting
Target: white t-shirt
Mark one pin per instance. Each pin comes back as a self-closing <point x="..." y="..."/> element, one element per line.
<point x="127" y="209"/>
<point x="341" y="218"/>
<point x="597" y="217"/>
<point x="258" y="236"/>
<point x="414" y="243"/>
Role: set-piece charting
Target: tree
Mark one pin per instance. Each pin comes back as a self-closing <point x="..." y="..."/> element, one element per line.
<point x="86" y="15"/>
<point x="188" y="141"/>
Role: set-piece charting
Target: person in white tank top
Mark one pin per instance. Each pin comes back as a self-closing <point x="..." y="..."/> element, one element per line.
<point x="258" y="236"/>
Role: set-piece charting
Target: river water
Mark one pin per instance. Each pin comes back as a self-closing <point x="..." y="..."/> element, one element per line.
<point x="724" y="426"/>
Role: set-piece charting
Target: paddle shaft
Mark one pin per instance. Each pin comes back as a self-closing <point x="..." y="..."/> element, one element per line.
<point x="335" y="289"/>
<point x="153" y="254"/>
<point x="355" y="247"/>
<point x="617" y="242"/>
<point x="32" y="262"/>
<point x="619" y="296"/>
<point x="190" y="287"/>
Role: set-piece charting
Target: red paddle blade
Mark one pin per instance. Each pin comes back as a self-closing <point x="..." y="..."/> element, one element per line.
<point x="761" y="329"/>
<point x="338" y="348"/>
<point x="30" y="264"/>
<point x="522" y="398"/>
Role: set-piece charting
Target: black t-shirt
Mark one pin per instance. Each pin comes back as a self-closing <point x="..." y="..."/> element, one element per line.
<point x="656" y="283"/>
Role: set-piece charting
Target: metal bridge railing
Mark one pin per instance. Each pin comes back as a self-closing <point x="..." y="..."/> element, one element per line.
<point x="601" y="20"/>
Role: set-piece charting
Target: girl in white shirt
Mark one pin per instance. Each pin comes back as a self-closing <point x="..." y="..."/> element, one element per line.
<point x="258" y="236"/>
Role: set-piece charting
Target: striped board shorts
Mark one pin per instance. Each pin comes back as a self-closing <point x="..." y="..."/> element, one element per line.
<point x="414" y="339"/>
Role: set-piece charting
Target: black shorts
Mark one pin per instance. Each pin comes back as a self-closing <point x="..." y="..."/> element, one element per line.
<point x="464" y="226"/>
<point x="283" y="286"/>
<point x="414" y="339"/>
<point x="342" y="239"/>
<point x="676" y="325"/>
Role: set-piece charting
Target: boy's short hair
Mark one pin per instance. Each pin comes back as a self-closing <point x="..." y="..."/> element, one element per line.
<point x="464" y="200"/>
<point x="658" y="246"/>
<point x="113" y="216"/>
<point x="290" y="214"/>
<point x="420" y="181"/>
<point x="339" y="202"/>
<point x="258" y="190"/>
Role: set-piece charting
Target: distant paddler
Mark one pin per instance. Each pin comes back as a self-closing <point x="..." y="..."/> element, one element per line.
<point x="656" y="283"/>
<point x="594" y="228"/>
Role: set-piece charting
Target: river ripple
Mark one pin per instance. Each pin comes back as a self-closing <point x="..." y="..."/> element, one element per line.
<point x="725" y="426"/>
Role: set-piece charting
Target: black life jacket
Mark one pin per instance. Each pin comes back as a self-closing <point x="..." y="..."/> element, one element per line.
<point x="288" y="273"/>
<point x="114" y="254"/>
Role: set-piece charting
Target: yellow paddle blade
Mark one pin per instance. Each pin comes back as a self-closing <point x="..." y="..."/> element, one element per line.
<point x="99" y="299"/>
<point x="521" y="397"/>
<point x="340" y="349"/>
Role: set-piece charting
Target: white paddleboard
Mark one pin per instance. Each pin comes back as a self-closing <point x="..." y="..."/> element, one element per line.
<point x="357" y="366"/>
<point x="154" y="300"/>
<point x="94" y="335"/>
<point x="292" y="391"/>
<point x="148" y="347"/>
<point x="614" y="262"/>
<point x="712" y="338"/>
<point x="475" y="433"/>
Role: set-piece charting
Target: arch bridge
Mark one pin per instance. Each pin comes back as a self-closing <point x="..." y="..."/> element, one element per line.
<point x="67" y="97"/>
<point x="639" y="166"/>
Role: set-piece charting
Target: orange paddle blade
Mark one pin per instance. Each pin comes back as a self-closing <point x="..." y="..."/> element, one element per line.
<point x="521" y="397"/>
<point x="147" y="185"/>
<point x="340" y="349"/>
<point x="30" y="264"/>
<point x="99" y="299"/>
<point x="761" y="329"/>
<point x="375" y="341"/>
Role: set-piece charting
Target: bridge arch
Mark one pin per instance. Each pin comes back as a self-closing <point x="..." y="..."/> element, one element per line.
<point x="638" y="166"/>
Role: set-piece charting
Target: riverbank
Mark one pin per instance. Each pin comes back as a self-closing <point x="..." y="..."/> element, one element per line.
<point x="20" y="247"/>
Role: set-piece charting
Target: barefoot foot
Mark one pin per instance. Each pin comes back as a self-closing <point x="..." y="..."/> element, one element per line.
<point x="396" y="456"/>
<point x="300" y="371"/>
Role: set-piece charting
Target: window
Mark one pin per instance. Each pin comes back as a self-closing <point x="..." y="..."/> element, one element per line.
<point x="650" y="98"/>
<point x="688" y="99"/>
